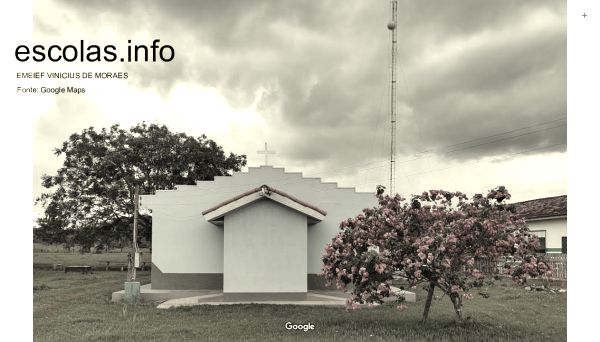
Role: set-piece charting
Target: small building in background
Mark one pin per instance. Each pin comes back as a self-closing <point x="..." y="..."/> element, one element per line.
<point x="547" y="218"/>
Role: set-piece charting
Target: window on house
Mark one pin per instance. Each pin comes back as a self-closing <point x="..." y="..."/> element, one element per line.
<point x="564" y="245"/>
<point x="541" y="234"/>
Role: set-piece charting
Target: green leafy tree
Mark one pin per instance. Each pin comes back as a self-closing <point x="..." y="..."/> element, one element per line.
<point x="95" y="187"/>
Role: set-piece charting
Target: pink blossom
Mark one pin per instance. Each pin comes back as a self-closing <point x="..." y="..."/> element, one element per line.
<point x="402" y="307"/>
<point x="478" y="275"/>
<point x="389" y="228"/>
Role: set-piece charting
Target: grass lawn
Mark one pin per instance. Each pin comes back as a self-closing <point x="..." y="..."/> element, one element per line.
<point x="77" y="307"/>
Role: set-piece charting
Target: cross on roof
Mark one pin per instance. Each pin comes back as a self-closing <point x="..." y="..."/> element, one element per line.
<point x="266" y="152"/>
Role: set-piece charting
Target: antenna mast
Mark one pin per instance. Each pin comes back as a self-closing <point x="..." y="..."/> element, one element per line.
<point x="392" y="27"/>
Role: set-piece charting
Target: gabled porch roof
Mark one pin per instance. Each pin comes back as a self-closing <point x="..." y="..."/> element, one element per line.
<point x="216" y="214"/>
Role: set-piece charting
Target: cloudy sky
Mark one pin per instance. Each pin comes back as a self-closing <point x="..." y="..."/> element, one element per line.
<point x="481" y="86"/>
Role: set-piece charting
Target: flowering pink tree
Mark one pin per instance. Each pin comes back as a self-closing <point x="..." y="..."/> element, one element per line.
<point x="437" y="243"/>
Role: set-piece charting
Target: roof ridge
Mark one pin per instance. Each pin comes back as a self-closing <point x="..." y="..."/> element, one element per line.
<point x="537" y="199"/>
<point x="269" y="188"/>
<point x="543" y="207"/>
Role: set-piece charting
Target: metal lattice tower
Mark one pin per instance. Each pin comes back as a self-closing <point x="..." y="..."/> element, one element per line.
<point x="392" y="27"/>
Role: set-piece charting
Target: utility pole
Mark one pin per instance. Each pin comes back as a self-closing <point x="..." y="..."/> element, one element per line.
<point x="135" y="256"/>
<point x="392" y="27"/>
<point x="132" y="288"/>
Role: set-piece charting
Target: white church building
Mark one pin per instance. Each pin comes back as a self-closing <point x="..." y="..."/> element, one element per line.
<point x="255" y="235"/>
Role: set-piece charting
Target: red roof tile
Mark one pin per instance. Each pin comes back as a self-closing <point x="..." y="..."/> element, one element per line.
<point x="543" y="207"/>
<point x="271" y="189"/>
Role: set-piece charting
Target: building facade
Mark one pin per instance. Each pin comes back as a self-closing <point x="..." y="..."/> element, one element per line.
<point x="547" y="218"/>
<point x="261" y="231"/>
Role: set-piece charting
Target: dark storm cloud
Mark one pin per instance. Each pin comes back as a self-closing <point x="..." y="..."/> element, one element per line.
<point x="466" y="17"/>
<point x="321" y="69"/>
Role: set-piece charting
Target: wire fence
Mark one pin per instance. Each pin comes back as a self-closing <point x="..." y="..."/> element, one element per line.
<point x="558" y="261"/>
<point x="52" y="249"/>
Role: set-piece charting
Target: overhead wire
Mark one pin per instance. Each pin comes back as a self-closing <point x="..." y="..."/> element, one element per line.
<point x="464" y="164"/>
<point x="415" y="174"/>
<point x="491" y="159"/>
<point x="339" y="171"/>
<point x="294" y="180"/>
<point x="377" y="181"/>
<point x="353" y="169"/>
<point x="491" y="136"/>
<point x="487" y="143"/>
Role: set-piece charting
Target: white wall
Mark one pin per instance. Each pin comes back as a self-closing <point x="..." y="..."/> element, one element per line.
<point x="555" y="230"/>
<point x="181" y="243"/>
<point x="184" y="242"/>
<point x="265" y="249"/>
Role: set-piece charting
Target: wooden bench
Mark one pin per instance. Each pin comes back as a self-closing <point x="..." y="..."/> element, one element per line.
<point x="78" y="269"/>
<point x="122" y="264"/>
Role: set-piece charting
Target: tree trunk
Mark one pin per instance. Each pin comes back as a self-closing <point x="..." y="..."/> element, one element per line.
<point x="455" y="298"/>
<point x="428" y="302"/>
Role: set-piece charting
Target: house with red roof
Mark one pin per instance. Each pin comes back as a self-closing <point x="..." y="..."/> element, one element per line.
<point x="547" y="218"/>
